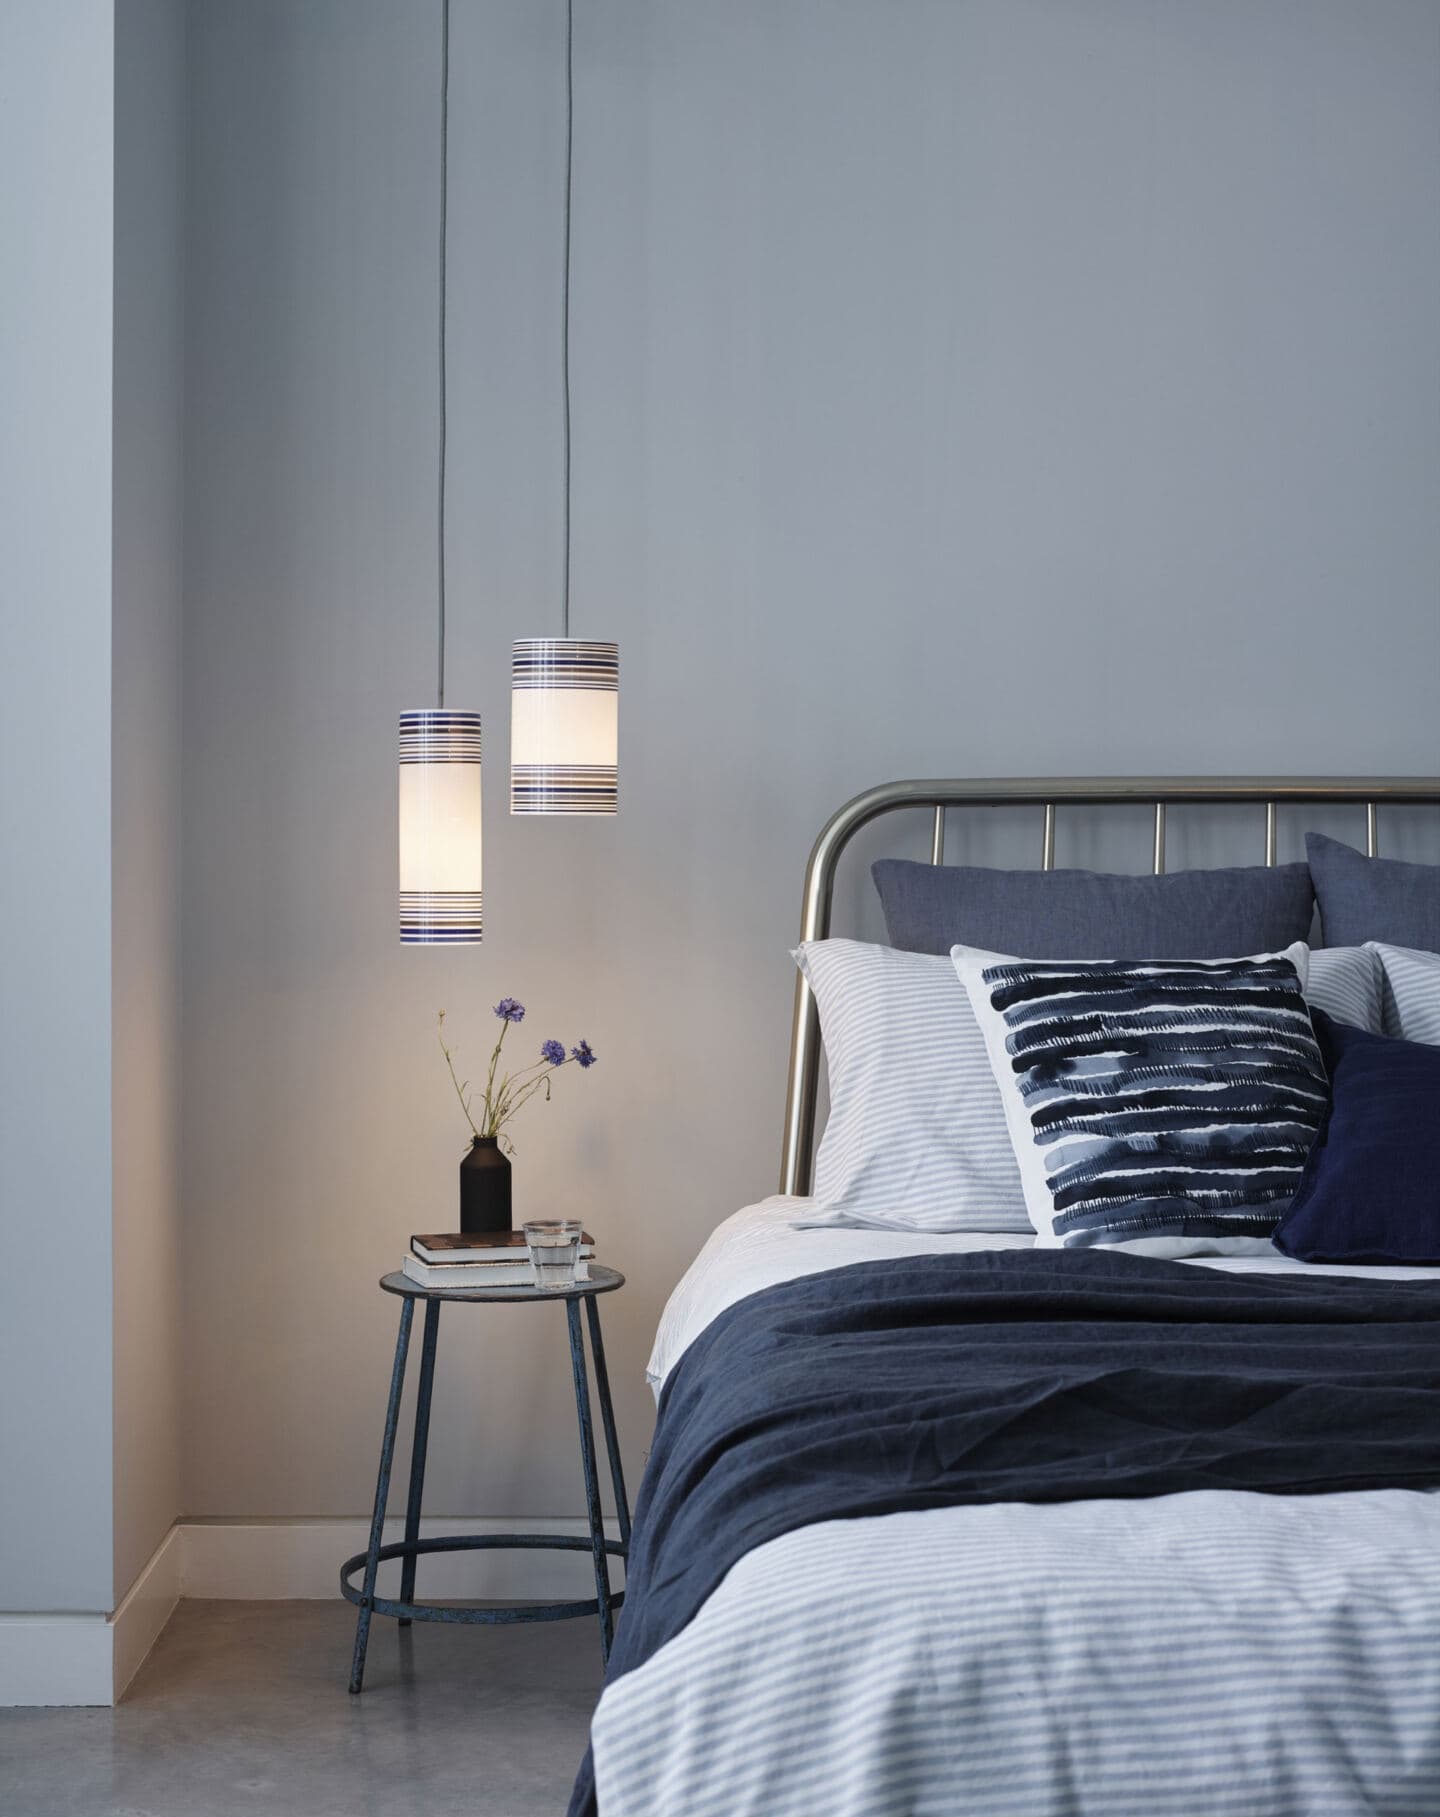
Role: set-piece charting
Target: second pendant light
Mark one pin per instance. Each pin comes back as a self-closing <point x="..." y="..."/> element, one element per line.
<point x="565" y="691"/>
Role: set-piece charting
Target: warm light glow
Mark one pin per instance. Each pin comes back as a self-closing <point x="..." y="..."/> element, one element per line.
<point x="564" y="726"/>
<point x="439" y="828"/>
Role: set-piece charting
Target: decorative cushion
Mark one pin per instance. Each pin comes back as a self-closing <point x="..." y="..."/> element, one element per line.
<point x="1165" y="1107"/>
<point x="1370" y="1191"/>
<point x="916" y="1137"/>
<point x="1373" y="898"/>
<point x="1056" y="914"/>
<point x="1411" y="994"/>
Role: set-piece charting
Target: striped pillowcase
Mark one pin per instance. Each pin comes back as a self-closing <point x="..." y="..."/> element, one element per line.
<point x="916" y="1136"/>
<point x="1411" y="993"/>
<point x="1347" y="982"/>
<point x="1163" y="1107"/>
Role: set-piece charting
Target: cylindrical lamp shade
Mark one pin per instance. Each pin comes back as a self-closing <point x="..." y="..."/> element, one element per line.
<point x="439" y="828"/>
<point x="564" y="727"/>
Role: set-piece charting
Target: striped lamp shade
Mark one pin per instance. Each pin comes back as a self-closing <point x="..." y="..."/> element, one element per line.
<point x="564" y="726"/>
<point x="439" y="828"/>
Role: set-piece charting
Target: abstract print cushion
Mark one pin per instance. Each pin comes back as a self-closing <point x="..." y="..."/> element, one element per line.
<point x="916" y="1136"/>
<point x="1165" y="1107"/>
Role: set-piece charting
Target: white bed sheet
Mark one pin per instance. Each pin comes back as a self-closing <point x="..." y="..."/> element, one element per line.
<point x="1215" y="1654"/>
<point x="760" y="1247"/>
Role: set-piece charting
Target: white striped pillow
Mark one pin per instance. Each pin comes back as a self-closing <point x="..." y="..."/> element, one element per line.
<point x="916" y="1136"/>
<point x="1411" y="992"/>
<point x="1346" y="982"/>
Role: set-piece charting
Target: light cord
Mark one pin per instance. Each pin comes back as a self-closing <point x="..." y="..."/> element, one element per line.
<point x="444" y="225"/>
<point x="565" y="306"/>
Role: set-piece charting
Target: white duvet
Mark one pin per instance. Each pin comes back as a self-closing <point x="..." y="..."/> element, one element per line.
<point x="1217" y="1652"/>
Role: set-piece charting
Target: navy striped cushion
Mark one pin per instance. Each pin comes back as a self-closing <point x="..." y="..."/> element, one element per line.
<point x="1165" y="1107"/>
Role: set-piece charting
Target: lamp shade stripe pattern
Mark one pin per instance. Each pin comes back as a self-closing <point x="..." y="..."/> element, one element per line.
<point x="439" y="918"/>
<point x="439" y="736"/>
<point x="564" y="726"/>
<point x="440" y="828"/>
<point x="566" y="662"/>
<point x="552" y="788"/>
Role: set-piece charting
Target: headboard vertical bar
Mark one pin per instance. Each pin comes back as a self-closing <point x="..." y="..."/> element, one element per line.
<point x="1047" y="856"/>
<point x="1272" y="833"/>
<point x="1372" y="830"/>
<point x="937" y="835"/>
<point x="1159" y="838"/>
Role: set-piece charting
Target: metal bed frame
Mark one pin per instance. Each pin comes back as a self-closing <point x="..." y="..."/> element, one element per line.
<point x="1049" y="793"/>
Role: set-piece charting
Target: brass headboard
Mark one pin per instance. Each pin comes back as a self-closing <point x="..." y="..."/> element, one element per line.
<point x="1048" y="793"/>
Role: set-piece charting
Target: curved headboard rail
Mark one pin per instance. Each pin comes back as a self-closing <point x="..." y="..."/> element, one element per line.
<point x="1048" y="793"/>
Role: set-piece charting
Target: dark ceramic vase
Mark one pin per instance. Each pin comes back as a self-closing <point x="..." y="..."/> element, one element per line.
<point x="485" y="1188"/>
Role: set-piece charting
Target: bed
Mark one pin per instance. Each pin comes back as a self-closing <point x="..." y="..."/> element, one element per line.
<point x="942" y="1521"/>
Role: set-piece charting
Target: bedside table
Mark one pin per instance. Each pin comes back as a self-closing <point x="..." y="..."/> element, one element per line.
<point x="406" y="1609"/>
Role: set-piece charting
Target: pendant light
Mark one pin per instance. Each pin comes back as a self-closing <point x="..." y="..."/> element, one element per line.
<point x="440" y="747"/>
<point x="565" y="691"/>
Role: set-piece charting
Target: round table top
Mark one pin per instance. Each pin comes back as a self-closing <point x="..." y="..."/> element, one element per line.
<point x="600" y="1280"/>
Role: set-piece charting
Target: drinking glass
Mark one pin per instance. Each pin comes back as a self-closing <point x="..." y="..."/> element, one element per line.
<point x="554" y="1250"/>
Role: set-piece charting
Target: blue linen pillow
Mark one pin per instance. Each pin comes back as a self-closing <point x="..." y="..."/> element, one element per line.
<point x="1370" y="1190"/>
<point x="1056" y="914"/>
<point x="1373" y="898"/>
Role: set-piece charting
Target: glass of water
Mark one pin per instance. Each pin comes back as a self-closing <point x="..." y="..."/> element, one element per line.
<point x="554" y="1250"/>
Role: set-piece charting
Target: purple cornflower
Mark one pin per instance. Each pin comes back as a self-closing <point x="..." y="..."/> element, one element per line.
<point x="508" y="1010"/>
<point x="553" y="1051"/>
<point x="583" y="1055"/>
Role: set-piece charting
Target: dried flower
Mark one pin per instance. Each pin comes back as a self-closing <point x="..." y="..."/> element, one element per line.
<point x="491" y="1108"/>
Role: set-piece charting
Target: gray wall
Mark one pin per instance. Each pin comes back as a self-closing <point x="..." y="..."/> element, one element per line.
<point x="56" y="79"/>
<point x="146" y="618"/>
<point x="960" y="389"/>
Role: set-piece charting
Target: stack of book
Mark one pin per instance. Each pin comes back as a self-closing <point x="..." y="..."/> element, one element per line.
<point x="500" y="1258"/>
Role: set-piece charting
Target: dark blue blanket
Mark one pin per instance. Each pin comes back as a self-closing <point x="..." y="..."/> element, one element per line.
<point x="1029" y="1375"/>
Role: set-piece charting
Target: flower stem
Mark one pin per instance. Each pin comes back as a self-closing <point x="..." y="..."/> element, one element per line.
<point x="454" y="1078"/>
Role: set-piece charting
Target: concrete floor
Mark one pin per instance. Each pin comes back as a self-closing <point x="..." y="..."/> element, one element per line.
<point x="242" y="1707"/>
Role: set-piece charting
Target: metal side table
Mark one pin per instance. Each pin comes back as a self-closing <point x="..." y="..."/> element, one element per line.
<point x="406" y="1609"/>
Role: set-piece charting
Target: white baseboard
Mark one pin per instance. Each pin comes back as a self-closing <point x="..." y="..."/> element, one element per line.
<point x="84" y="1658"/>
<point x="272" y="1560"/>
<point x="56" y="1659"/>
<point x="145" y="1608"/>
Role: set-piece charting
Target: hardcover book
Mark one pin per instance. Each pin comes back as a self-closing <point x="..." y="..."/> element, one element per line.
<point x="455" y="1249"/>
<point x="480" y="1276"/>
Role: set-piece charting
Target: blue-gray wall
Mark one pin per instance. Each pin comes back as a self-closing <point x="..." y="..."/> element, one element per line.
<point x="56" y="114"/>
<point x="973" y="388"/>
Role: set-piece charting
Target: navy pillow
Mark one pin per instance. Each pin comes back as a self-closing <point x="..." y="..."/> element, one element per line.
<point x="1093" y="915"/>
<point x="1370" y="1191"/>
<point x="1374" y="898"/>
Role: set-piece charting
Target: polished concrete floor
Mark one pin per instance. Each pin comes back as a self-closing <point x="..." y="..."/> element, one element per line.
<point x="242" y="1707"/>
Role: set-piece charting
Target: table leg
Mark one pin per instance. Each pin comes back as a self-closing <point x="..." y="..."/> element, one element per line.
<point x="418" y="1450"/>
<point x="607" y="1418"/>
<point x="592" y="1481"/>
<point x="382" y="1494"/>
